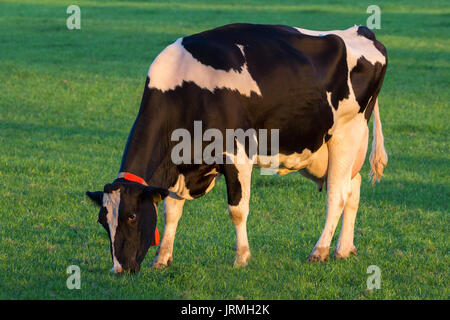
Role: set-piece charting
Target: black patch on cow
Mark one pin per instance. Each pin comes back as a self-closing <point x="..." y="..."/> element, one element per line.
<point x="218" y="47"/>
<point x="371" y="104"/>
<point x="234" y="188"/>
<point x="327" y="55"/>
<point x="198" y="177"/>
<point x="366" y="32"/>
<point x="380" y="47"/>
<point x="365" y="78"/>
<point x="219" y="55"/>
<point x="336" y="83"/>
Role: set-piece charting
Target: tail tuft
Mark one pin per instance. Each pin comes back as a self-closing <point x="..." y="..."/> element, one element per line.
<point x="378" y="156"/>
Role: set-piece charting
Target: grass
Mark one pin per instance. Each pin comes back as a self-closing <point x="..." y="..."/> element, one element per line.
<point x="68" y="100"/>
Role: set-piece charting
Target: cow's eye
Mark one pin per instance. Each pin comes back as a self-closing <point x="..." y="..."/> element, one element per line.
<point x="132" y="217"/>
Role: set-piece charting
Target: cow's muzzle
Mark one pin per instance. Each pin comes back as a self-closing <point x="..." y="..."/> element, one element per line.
<point x="133" y="267"/>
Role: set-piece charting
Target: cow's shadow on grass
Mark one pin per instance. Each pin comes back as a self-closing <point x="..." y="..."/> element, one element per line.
<point x="424" y="196"/>
<point x="419" y="193"/>
<point x="393" y="190"/>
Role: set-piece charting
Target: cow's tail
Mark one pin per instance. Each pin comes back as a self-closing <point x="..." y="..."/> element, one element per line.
<point x="378" y="156"/>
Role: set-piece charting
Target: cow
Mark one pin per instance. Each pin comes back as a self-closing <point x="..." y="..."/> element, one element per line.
<point x="317" y="88"/>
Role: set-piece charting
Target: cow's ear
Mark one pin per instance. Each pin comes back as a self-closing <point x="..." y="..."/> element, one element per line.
<point x="110" y="187"/>
<point x="96" y="196"/>
<point x="156" y="194"/>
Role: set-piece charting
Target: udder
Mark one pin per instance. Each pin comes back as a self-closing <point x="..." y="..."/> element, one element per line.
<point x="318" y="167"/>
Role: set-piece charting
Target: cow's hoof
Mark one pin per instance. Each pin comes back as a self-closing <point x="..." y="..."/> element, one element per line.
<point x="242" y="259"/>
<point x="344" y="254"/>
<point x="319" y="255"/>
<point x="239" y="263"/>
<point x="161" y="265"/>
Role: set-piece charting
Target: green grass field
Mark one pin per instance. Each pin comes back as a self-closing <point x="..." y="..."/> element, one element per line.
<point x="68" y="100"/>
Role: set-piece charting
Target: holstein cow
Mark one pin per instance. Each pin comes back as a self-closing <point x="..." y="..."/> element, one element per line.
<point x="319" y="88"/>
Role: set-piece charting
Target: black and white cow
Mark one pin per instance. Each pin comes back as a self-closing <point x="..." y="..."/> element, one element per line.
<point x="319" y="88"/>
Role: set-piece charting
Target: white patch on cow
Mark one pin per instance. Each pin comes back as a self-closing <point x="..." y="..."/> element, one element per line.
<point x="239" y="212"/>
<point x="333" y="110"/>
<point x="180" y="190"/>
<point x="357" y="46"/>
<point x="329" y="98"/>
<point x="111" y="202"/>
<point x="315" y="163"/>
<point x="241" y="47"/>
<point x="286" y="163"/>
<point x="175" y="65"/>
<point x="295" y="161"/>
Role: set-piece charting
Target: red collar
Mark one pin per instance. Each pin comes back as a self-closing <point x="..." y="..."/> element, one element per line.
<point x="132" y="177"/>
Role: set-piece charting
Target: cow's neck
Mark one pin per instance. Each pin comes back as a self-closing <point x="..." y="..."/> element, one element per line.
<point x="147" y="153"/>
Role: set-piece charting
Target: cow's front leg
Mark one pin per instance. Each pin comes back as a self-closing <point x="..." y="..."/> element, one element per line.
<point x="238" y="179"/>
<point x="345" y="245"/>
<point x="342" y="150"/>
<point x="173" y="209"/>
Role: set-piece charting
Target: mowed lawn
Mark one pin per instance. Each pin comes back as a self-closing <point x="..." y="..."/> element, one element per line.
<point x="69" y="98"/>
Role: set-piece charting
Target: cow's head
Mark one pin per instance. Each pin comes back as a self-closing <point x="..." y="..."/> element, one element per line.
<point x="128" y="213"/>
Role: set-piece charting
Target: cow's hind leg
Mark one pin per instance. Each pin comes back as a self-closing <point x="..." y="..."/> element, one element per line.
<point x="238" y="179"/>
<point x="173" y="209"/>
<point x="345" y="245"/>
<point x="342" y="149"/>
